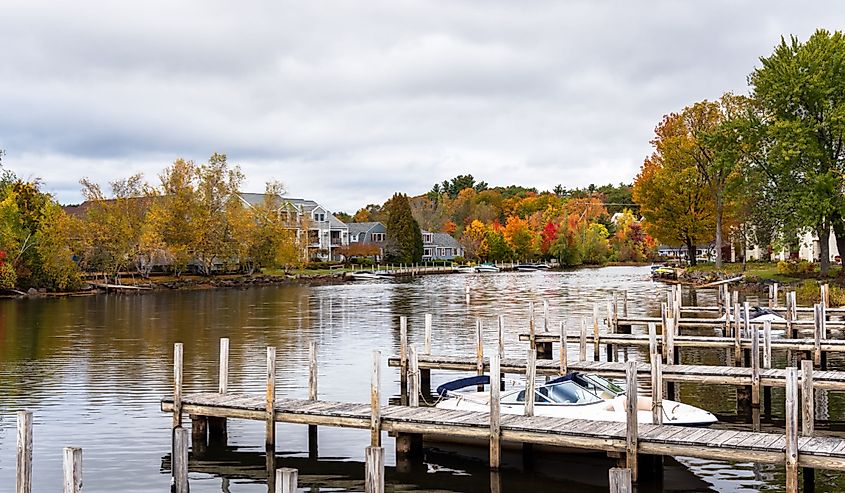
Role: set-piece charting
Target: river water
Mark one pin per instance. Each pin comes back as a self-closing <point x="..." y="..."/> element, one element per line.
<point x="93" y="369"/>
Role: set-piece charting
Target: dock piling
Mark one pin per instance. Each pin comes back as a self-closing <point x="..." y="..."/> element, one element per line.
<point x="530" y="376"/>
<point x="414" y="381"/>
<point x="596" y="346"/>
<point x="375" y="401"/>
<point x="177" y="384"/>
<point x="501" y="336"/>
<point x="495" y="416"/>
<point x="403" y="355"/>
<point x="545" y="315"/>
<point x="427" y="343"/>
<point x="23" y="481"/>
<point x="755" y="367"/>
<point x="620" y="480"/>
<point x="270" y="407"/>
<point x="217" y="433"/>
<point x="791" y="430"/>
<point x="287" y="480"/>
<point x="582" y="344"/>
<point x="656" y="389"/>
<point x="631" y="428"/>
<point x="179" y="458"/>
<point x="562" y="357"/>
<point x="374" y="470"/>
<point x="808" y="415"/>
<point x="479" y="351"/>
<point x="312" y="396"/>
<point x="72" y="468"/>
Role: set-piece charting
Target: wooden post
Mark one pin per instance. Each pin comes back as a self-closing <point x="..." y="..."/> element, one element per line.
<point x="467" y="295"/>
<point x="664" y="314"/>
<point x="501" y="337"/>
<point x="545" y="315"/>
<point x="495" y="417"/>
<point x="596" y="346"/>
<point x="287" y="480"/>
<point x="270" y="443"/>
<point x="825" y="292"/>
<point x="532" y="335"/>
<point x="23" y="480"/>
<point x="72" y="465"/>
<point x="631" y="408"/>
<point x="620" y="480"/>
<point x="656" y="389"/>
<point x="180" y="460"/>
<point x="414" y="383"/>
<point x="374" y="470"/>
<point x="652" y="338"/>
<point x="312" y="371"/>
<point x="223" y="374"/>
<point x="747" y="317"/>
<point x="737" y="339"/>
<point x="427" y="343"/>
<point x="403" y="359"/>
<point x="727" y="313"/>
<point x="562" y="358"/>
<point x="817" y="336"/>
<point x="792" y="430"/>
<point x="582" y="347"/>
<point x="771" y="296"/>
<point x="767" y="344"/>
<point x="530" y="376"/>
<point x="625" y="303"/>
<point x="775" y="295"/>
<point x="808" y="414"/>
<point x="375" y="401"/>
<point x="479" y="351"/>
<point x="670" y="341"/>
<point x="610" y="316"/>
<point x="177" y="384"/>
<point x="755" y="367"/>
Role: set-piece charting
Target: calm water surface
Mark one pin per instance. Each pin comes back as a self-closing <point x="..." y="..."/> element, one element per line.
<point x="92" y="369"/>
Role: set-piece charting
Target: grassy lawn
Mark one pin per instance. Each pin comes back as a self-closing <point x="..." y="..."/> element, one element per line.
<point x="764" y="271"/>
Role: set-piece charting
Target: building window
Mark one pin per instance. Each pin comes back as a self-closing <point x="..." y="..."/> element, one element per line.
<point x="319" y="217"/>
<point x="378" y="237"/>
<point x="428" y="252"/>
<point x="427" y="237"/>
<point x="353" y="238"/>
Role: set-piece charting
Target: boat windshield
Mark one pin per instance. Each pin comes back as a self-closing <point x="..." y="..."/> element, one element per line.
<point x="561" y="393"/>
<point x="597" y="385"/>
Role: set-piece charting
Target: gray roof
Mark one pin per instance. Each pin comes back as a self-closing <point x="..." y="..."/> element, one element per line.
<point x="357" y="228"/>
<point x="444" y="240"/>
<point x="304" y="205"/>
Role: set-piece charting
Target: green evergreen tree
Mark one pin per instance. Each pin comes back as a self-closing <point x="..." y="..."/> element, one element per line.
<point x="404" y="238"/>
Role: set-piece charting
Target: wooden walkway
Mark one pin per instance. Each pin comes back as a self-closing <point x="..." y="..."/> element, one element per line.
<point x="804" y="344"/>
<point x="718" y="375"/>
<point x="705" y="323"/>
<point x="708" y="443"/>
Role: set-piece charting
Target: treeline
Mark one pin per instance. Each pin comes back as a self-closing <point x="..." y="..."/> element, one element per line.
<point x="757" y="169"/>
<point x="193" y="218"/>
<point x="574" y="226"/>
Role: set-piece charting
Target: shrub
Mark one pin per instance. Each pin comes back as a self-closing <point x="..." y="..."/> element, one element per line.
<point x="795" y="267"/>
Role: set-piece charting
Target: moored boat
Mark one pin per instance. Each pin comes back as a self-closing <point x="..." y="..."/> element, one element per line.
<point x="525" y="268"/>
<point x="574" y="396"/>
<point x="486" y="268"/>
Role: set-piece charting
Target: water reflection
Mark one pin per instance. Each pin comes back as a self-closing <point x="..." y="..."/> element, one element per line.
<point x="94" y="368"/>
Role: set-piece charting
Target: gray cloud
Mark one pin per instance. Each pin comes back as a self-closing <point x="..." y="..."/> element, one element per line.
<point x="348" y="101"/>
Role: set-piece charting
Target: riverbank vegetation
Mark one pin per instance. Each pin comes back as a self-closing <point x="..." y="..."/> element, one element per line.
<point x="758" y="170"/>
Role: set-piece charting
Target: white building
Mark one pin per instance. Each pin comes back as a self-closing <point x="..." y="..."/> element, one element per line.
<point x="318" y="229"/>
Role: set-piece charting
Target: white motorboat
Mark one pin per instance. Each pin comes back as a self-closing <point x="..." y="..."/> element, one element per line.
<point x="574" y="396"/>
<point x="486" y="268"/>
<point x="525" y="268"/>
<point x="758" y="314"/>
<point x="465" y="269"/>
<point x="365" y="275"/>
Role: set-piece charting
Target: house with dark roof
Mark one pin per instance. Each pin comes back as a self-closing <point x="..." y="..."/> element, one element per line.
<point x="367" y="239"/>
<point x="440" y="246"/>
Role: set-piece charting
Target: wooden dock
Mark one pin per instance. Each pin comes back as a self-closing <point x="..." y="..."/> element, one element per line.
<point x="411" y="423"/>
<point x="708" y="443"/>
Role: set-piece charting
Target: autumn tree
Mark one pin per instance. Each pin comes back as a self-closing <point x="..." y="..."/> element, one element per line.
<point x="404" y="238"/>
<point x="267" y="232"/>
<point x="520" y="238"/>
<point x="111" y="227"/>
<point x="474" y="240"/>
<point x="673" y="194"/>
<point x="801" y="89"/>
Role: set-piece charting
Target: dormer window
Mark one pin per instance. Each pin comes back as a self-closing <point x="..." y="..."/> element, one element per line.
<point x="319" y="217"/>
<point x="427" y="237"/>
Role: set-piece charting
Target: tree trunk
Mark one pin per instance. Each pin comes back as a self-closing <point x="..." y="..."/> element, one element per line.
<point x="824" y="247"/>
<point x="719" y="208"/>
<point x="691" y="252"/>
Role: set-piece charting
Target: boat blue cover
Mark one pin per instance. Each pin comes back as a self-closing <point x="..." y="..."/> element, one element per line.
<point x="463" y="383"/>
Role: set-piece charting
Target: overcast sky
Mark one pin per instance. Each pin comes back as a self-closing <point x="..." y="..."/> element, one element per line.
<point x="347" y="102"/>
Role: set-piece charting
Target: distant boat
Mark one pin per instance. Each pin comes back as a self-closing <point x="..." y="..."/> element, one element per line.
<point x="542" y="266"/>
<point x="758" y="314"/>
<point x="486" y="268"/>
<point x="525" y="268"/>
<point x="465" y="269"/>
<point x="365" y="275"/>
